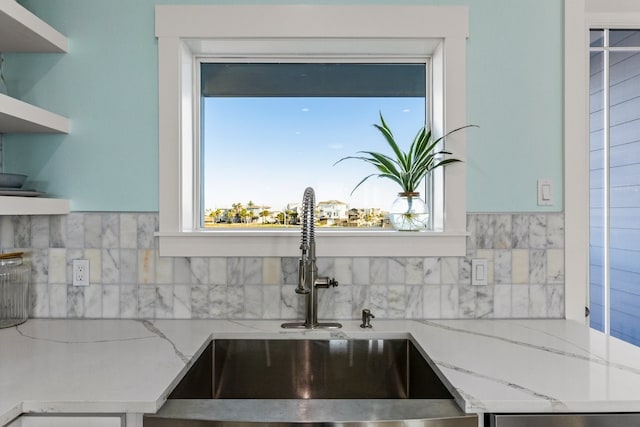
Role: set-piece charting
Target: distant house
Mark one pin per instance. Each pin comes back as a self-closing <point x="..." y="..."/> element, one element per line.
<point x="295" y="207"/>
<point x="368" y="217"/>
<point x="255" y="212"/>
<point x="354" y="215"/>
<point x="332" y="212"/>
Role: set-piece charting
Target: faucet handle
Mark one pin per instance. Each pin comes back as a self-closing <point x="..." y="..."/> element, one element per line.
<point x="325" y="282"/>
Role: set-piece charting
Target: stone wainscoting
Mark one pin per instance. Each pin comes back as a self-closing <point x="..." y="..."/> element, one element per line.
<point x="129" y="279"/>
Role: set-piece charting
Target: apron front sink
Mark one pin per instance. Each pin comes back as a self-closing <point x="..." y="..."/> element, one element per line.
<point x="311" y="369"/>
<point x="327" y="383"/>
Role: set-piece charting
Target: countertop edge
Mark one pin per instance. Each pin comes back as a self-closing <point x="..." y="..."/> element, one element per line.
<point x="544" y="342"/>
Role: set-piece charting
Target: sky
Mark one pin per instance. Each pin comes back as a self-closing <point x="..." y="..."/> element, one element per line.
<point x="268" y="150"/>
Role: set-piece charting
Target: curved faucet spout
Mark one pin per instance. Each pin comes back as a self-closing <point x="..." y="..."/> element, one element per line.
<point x="307" y="242"/>
<point x="308" y="219"/>
<point x="308" y="280"/>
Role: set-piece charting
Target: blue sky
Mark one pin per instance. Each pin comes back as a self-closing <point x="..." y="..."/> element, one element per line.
<point x="268" y="150"/>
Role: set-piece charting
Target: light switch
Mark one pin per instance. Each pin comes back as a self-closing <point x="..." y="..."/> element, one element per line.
<point x="545" y="197"/>
<point x="479" y="272"/>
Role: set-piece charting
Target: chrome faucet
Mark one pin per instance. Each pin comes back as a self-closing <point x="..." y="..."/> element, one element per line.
<point x="308" y="280"/>
<point x="367" y="315"/>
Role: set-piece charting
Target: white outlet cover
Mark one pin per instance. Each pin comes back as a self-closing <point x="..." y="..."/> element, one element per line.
<point x="479" y="272"/>
<point x="545" y="195"/>
<point x="80" y="272"/>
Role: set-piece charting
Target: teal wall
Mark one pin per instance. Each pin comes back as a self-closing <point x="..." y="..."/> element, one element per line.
<point x="107" y="85"/>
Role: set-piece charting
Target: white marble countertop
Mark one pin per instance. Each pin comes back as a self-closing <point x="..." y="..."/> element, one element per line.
<point x="117" y="366"/>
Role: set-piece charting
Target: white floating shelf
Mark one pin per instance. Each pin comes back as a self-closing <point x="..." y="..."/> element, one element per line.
<point x="20" y="117"/>
<point x="22" y="31"/>
<point x="16" y="205"/>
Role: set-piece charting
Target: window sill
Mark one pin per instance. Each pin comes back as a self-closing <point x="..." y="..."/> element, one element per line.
<point x="285" y="243"/>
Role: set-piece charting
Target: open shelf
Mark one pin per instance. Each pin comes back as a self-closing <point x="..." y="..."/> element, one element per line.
<point x="16" y="205"/>
<point x="19" y="117"/>
<point x="22" y="31"/>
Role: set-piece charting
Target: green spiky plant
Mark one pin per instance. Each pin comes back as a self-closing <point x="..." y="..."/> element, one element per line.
<point x="409" y="168"/>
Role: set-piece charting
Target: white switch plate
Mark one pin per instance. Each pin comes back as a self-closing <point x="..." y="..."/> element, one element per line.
<point x="545" y="195"/>
<point x="80" y="272"/>
<point x="479" y="272"/>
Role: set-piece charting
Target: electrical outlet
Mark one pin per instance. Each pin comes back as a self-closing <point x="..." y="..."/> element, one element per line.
<point x="479" y="271"/>
<point x="80" y="272"/>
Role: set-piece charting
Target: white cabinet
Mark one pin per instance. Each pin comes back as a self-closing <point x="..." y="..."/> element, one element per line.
<point x="22" y="31"/>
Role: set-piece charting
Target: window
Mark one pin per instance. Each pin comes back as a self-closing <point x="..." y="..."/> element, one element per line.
<point x="579" y="17"/>
<point x="321" y="35"/>
<point x="256" y="117"/>
<point x="614" y="246"/>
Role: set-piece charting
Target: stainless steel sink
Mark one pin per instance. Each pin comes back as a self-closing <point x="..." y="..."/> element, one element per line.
<point x="338" y="381"/>
<point x="311" y="369"/>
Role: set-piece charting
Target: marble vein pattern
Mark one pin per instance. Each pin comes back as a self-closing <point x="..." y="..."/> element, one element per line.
<point x="432" y="271"/>
<point x="415" y="301"/>
<point x="110" y="266"/>
<point x="414" y="271"/>
<point x="75" y="231"/>
<point x="40" y="232"/>
<point x="75" y="302"/>
<point x="92" y="231"/>
<point x="150" y="355"/>
<point x="502" y="229"/>
<point x="538" y="232"/>
<point x="520" y="231"/>
<point x="147" y="302"/>
<point x="70" y="339"/>
<point x="128" y="278"/>
<point x="57" y="231"/>
<point x="584" y="355"/>
<point x="343" y="302"/>
<point x="555" y="403"/>
<point x="110" y="231"/>
<point x="396" y="271"/>
<point x="485" y="231"/>
<point x="218" y="301"/>
<point x="146" y="227"/>
<point x="142" y="359"/>
<point x="181" y="301"/>
<point x="153" y="329"/>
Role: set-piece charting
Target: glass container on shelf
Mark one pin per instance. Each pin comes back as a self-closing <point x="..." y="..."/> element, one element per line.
<point x="409" y="213"/>
<point x="14" y="290"/>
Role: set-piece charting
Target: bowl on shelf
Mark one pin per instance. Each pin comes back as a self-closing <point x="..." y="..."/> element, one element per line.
<point x="12" y="180"/>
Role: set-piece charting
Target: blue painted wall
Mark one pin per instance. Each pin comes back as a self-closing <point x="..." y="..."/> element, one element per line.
<point x="107" y="85"/>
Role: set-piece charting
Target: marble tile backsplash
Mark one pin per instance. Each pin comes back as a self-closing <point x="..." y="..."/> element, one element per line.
<point x="128" y="279"/>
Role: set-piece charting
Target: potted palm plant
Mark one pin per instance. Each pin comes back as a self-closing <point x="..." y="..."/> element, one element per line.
<point x="408" y="169"/>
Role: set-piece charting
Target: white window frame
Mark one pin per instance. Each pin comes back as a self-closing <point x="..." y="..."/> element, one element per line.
<point x="580" y="16"/>
<point x="187" y="32"/>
